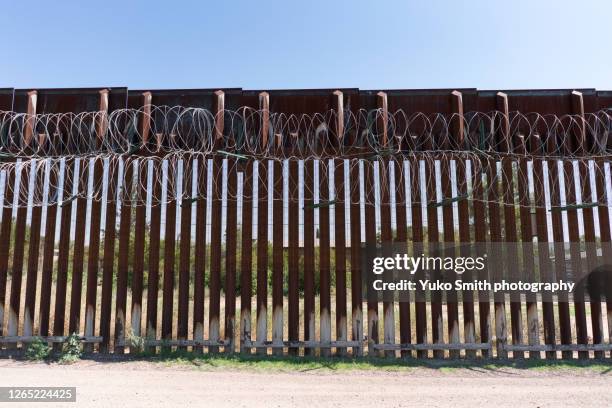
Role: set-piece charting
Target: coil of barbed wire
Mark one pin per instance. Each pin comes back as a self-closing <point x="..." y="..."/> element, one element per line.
<point x="519" y="159"/>
<point x="394" y="179"/>
<point x="164" y="129"/>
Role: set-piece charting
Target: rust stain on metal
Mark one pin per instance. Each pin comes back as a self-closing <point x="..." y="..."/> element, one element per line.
<point x="277" y="257"/>
<point x="29" y="130"/>
<point x="383" y="126"/>
<point x="103" y="119"/>
<point x="146" y="117"/>
<point x="339" y="97"/>
<point x="324" y="259"/>
<point x="246" y="273"/>
<point x="230" y="256"/>
<point x="264" y="106"/>
<point x="457" y="105"/>
<point x="219" y="115"/>
<point x="309" y="254"/>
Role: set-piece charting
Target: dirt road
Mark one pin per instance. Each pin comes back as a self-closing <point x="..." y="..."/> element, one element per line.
<point x="143" y="384"/>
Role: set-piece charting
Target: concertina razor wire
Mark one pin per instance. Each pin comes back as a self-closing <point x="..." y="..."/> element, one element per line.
<point x="534" y="160"/>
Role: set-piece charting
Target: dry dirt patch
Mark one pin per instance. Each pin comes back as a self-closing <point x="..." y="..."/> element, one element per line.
<point x="147" y="384"/>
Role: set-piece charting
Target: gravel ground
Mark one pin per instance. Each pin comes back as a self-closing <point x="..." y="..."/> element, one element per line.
<point x="146" y="384"/>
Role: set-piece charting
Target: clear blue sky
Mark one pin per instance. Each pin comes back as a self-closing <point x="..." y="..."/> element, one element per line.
<point x="307" y="44"/>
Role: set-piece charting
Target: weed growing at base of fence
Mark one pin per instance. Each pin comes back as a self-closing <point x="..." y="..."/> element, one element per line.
<point x="37" y="350"/>
<point x="71" y="350"/>
<point x="135" y="343"/>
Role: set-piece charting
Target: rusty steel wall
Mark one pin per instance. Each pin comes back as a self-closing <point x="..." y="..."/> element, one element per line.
<point x="144" y="276"/>
<point x="308" y="100"/>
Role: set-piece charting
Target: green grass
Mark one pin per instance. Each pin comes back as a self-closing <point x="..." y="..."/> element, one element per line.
<point x="301" y="364"/>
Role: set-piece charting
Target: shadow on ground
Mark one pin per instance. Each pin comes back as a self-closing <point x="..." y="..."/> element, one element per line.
<point x="308" y="363"/>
